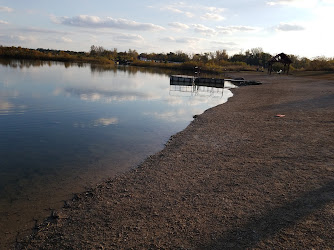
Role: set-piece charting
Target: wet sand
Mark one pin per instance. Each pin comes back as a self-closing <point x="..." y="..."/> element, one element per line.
<point x="236" y="177"/>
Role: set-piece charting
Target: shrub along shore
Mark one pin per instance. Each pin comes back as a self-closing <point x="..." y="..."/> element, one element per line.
<point x="213" y="62"/>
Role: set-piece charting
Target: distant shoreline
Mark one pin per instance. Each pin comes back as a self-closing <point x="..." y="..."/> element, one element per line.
<point x="218" y="62"/>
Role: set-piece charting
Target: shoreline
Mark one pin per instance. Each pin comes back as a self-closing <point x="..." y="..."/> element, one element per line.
<point x="236" y="177"/>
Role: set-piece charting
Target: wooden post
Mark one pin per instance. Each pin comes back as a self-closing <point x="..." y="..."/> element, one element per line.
<point x="270" y="68"/>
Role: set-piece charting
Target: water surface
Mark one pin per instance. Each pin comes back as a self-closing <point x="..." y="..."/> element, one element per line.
<point x="66" y="127"/>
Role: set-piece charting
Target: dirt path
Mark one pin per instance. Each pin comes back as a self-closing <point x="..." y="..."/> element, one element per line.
<point x="236" y="177"/>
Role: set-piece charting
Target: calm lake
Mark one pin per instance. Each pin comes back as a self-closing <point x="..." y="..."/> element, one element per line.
<point x="66" y="127"/>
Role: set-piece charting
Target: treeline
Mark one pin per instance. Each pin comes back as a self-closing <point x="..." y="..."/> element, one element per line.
<point x="48" y="55"/>
<point x="218" y="61"/>
<point x="256" y="58"/>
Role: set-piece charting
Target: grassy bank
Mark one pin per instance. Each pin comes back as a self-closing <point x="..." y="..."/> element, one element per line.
<point x="203" y="68"/>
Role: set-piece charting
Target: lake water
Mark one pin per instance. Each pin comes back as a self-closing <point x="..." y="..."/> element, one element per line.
<point x="66" y="127"/>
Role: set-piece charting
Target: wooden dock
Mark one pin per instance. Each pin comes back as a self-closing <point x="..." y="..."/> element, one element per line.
<point x="206" y="81"/>
<point x="183" y="79"/>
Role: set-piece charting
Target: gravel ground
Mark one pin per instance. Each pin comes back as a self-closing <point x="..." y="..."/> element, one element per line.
<point x="236" y="177"/>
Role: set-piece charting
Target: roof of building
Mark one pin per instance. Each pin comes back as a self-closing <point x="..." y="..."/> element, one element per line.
<point x="283" y="58"/>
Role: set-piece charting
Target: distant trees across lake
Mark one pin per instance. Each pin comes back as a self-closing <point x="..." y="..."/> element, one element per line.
<point x="218" y="61"/>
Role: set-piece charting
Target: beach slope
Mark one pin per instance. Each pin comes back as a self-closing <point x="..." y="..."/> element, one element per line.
<point x="255" y="172"/>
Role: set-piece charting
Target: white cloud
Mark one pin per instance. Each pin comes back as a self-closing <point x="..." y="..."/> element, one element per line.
<point x="289" y="27"/>
<point x="6" y="9"/>
<point x="195" y="10"/>
<point x="41" y="30"/>
<point x="174" y="9"/>
<point x="215" y="9"/>
<point x="185" y="40"/>
<point x="108" y="22"/>
<point x="127" y="38"/>
<point x="212" y="16"/>
<point x="224" y="44"/>
<point x="66" y="39"/>
<point x="295" y="3"/>
<point x="168" y="39"/>
<point x="280" y="2"/>
<point x="3" y="22"/>
<point x="189" y="14"/>
<point x="232" y="29"/>
<point x="16" y="38"/>
<point x="178" y="25"/>
<point x="200" y="28"/>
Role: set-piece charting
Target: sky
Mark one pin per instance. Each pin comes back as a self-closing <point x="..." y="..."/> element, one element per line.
<point x="299" y="27"/>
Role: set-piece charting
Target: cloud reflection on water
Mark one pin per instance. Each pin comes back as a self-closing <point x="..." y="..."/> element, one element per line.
<point x="106" y="121"/>
<point x="5" y="106"/>
<point x="8" y="107"/>
<point x="184" y="101"/>
<point x="108" y="96"/>
<point x="102" y="122"/>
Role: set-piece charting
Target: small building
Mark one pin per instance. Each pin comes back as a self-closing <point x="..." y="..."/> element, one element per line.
<point x="144" y="59"/>
<point x="280" y="58"/>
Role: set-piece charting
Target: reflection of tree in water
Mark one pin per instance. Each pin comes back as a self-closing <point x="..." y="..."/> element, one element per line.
<point x="133" y="70"/>
<point x="37" y="63"/>
<point x="95" y="68"/>
<point x="100" y="68"/>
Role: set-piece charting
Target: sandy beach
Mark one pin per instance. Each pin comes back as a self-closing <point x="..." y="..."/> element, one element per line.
<point x="256" y="172"/>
